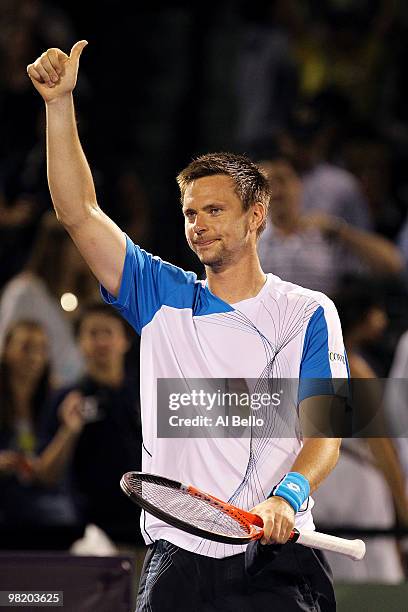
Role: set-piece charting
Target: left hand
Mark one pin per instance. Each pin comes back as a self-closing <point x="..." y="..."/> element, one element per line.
<point x="278" y="517"/>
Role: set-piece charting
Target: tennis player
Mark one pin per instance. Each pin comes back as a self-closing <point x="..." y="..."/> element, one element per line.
<point x="238" y="324"/>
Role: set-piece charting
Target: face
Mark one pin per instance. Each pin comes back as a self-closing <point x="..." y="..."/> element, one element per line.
<point x="376" y="323"/>
<point x="286" y="190"/>
<point x="217" y="227"/>
<point x="26" y="353"/>
<point x="102" y="340"/>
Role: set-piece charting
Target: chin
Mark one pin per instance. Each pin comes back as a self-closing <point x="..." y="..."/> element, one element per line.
<point x="212" y="262"/>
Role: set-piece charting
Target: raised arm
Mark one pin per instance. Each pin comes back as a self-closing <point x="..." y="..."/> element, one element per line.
<point x="99" y="239"/>
<point x="377" y="252"/>
<point x="50" y="465"/>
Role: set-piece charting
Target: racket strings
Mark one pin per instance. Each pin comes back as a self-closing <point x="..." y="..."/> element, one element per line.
<point x="181" y="505"/>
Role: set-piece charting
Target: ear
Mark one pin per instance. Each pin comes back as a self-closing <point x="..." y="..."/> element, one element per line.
<point x="258" y="214"/>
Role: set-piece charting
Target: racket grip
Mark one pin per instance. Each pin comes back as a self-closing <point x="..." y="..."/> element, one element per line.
<point x="354" y="549"/>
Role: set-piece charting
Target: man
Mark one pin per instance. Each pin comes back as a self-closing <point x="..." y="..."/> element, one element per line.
<point x="326" y="187"/>
<point x="239" y="323"/>
<point x="315" y="249"/>
<point x="93" y="428"/>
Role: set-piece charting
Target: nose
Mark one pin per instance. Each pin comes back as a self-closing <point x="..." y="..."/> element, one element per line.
<point x="200" y="225"/>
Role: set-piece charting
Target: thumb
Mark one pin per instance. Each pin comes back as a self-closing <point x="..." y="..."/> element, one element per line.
<point x="77" y="49"/>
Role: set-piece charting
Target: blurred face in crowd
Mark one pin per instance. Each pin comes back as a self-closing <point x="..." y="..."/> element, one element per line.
<point x="103" y="340"/>
<point x="374" y="325"/>
<point x="217" y="227"/>
<point x="286" y="191"/>
<point x="306" y="151"/>
<point x="26" y="352"/>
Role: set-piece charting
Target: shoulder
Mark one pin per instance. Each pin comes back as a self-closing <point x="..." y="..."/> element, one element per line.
<point x="318" y="312"/>
<point x="164" y="275"/>
<point x="399" y="368"/>
<point x="334" y="180"/>
<point x="293" y="292"/>
<point x="403" y="343"/>
<point x="23" y="284"/>
<point x="336" y="175"/>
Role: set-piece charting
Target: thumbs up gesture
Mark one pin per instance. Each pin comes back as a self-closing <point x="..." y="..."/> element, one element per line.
<point x="54" y="73"/>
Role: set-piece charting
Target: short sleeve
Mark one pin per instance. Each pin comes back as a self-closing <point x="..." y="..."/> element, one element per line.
<point x="324" y="356"/>
<point x="147" y="284"/>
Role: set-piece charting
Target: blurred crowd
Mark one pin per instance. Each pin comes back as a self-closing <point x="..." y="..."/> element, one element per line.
<point x="315" y="93"/>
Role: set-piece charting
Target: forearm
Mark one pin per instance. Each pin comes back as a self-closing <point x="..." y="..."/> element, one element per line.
<point x="317" y="459"/>
<point x="50" y="465"/>
<point x="377" y="252"/>
<point x="69" y="176"/>
<point x="387" y="460"/>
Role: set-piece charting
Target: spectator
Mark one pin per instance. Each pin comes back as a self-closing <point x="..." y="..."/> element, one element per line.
<point x="55" y="268"/>
<point x="397" y="402"/>
<point x="316" y="249"/>
<point x="326" y="187"/>
<point x="93" y="430"/>
<point x="377" y="473"/>
<point x="30" y="516"/>
<point x="371" y="160"/>
<point x="265" y="67"/>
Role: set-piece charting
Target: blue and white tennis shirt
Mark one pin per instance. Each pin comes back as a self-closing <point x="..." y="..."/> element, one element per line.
<point x="285" y="331"/>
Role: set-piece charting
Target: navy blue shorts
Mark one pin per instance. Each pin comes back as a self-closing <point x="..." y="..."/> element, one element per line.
<point x="176" y="580"/>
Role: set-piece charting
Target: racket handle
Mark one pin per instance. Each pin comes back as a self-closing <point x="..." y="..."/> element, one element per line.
<point x="354" y="549"/>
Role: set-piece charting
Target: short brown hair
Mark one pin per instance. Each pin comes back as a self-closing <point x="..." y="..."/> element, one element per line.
<point x="101" y="308"/>
<point x="251" y="184"/>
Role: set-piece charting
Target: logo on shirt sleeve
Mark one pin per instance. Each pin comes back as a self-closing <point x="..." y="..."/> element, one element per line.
<point x="337" y="357"/>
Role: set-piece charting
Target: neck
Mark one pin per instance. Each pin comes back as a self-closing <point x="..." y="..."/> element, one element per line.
<point x="111" y="375"/>
<point x="238" y="281"/>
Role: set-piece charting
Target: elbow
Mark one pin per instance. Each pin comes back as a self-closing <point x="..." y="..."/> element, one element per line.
<point x="72" y="220"/>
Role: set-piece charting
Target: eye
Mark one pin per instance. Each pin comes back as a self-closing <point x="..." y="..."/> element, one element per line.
<point x="215" y="211"/>
<point x="189" y="214"/>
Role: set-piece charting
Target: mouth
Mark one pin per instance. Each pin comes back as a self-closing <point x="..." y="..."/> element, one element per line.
<point x="204" y="243"/>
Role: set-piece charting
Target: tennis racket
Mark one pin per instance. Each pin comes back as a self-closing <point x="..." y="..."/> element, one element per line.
<point x="191" y="510"/>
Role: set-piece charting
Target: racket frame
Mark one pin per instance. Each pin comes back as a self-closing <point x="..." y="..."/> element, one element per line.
<point x="354" y="549"/>
<point x="251" y="522"/>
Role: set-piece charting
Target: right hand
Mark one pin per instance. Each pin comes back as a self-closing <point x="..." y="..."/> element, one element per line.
<point x="70" y="412"/>
<point x="54" y="73"/>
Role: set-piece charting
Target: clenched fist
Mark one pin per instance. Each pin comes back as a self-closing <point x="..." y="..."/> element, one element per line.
<point x="278" y="519"/>
<point x="54" y="73"/>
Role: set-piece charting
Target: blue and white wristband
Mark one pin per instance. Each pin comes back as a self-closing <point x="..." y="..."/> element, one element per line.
<point x="294" y="488"/>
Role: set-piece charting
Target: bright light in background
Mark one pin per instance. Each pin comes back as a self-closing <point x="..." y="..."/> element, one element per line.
<point x="69" y="302"/>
